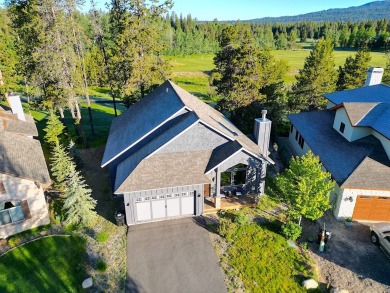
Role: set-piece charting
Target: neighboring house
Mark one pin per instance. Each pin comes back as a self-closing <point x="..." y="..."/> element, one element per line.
<point x="23" y="172"/>
<point x="352" y="139"/>
<point x="170" y="150"/>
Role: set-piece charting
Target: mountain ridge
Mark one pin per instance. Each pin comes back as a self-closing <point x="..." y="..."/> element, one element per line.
<point x="375" y="10"/>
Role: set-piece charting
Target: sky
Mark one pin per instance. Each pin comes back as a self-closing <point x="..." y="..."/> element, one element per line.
<point x="250" y="9"/>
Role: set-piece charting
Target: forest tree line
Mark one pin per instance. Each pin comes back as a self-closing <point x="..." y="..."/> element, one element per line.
<point x="56" y="52"/>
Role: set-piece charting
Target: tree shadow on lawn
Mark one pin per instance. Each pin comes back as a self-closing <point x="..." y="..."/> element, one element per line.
<point x="349" y="247"/>
<point x="97" y="179"/>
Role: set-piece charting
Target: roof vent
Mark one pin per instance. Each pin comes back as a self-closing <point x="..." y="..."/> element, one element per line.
<point x="374" y="76"/>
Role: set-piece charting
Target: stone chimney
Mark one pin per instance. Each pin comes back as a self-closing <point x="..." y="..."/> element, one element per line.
<point x="262" y="132"/>
<point x="374" y="76"/>
<point x="16" y="106"/>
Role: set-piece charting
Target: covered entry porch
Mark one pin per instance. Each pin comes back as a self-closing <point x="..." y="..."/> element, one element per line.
<point x="229" y="203"/>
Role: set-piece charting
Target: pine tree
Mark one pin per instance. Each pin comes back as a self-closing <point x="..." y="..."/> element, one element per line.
<point x="8" y="58"/>
<point x="79" y="205"/>
<point x="53" y="130"/>
<point x="316" y="78"/>
<point x="354" y="72"/>
<point x="304" y="187"/>
<point x="386" y="74"/>
<point x="135" y="62"/>
<point x="61" y="166"/>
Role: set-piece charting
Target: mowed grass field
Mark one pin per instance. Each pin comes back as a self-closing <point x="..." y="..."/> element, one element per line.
<point x="192" y="72"/>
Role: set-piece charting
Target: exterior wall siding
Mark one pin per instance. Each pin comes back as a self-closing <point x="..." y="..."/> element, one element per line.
<point x="21" y="189"/>
<point x="350" y="133"/>
<point x="294" y="143"/>
<point x="129" y="198"/>
<point x="197" y="138"/>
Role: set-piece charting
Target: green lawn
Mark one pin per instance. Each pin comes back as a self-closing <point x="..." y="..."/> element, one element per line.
<point x="191" y="72"/>
<point x="264" y="262"/>
<point x="52" y="264"/>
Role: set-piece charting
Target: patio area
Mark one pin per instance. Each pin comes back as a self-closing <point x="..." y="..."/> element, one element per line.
<point x="229" y="203"/>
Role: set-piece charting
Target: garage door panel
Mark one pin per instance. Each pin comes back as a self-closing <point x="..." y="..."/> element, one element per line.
<point x="372" y="208"/>
<point x="158" y="209"/>
<point x="187" y="205"/>
<point x="143" y="211"/>
<point x="173" y="207"/>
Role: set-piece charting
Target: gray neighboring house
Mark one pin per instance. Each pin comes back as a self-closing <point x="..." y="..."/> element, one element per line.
<point x="23" y="172"/>
<point x="170" y="151"/>
<point x="352" y="139"/>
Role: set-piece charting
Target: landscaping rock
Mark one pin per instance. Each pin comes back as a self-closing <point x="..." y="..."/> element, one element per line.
<point x="3" y="241"/>
<point x="87" y="283"/>
<point x="291" y="243"/>
<point x="310" y="284"/>
<point x="338" y="290"/>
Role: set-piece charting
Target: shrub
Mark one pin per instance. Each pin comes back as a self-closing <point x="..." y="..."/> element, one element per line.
<point x="102" y="237"/>
<point x="226" y="228"/>
<point x="291" y="230"/>
<point x="101" y="266"/>
<point x="241" y="218"/>
<point x="348" y="219"/>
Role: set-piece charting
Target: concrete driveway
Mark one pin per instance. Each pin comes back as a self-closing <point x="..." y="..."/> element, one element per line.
<point x="172" y="256"/>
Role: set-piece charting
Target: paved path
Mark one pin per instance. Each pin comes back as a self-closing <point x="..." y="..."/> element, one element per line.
<point x="173" y="256"/>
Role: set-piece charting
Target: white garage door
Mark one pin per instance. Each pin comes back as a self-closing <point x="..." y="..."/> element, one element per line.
<point x="159" y="207"/>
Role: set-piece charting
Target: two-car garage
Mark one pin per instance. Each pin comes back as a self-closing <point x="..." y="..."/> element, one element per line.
<point x="161" y="204"/>
<point x="372" y="208"/>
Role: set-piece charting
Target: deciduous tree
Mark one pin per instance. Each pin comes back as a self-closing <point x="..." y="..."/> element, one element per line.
<point x="304" y="187"/>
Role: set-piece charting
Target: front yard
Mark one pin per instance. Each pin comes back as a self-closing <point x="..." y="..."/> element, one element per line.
<point x="52" y="264"/>
<point x="256" y="258"/>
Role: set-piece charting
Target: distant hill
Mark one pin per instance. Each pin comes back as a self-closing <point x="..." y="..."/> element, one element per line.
<point x="370" y="11"/>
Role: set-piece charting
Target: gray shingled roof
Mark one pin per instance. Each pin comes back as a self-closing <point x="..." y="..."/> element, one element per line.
<point x="155" y="109"/>
<point x="151" y="143"/>
<point x="10" y="122"/>
<point x="139" y="120"/>
<point x="357" y="111"/>
<point x="338" y="156"/>
<point x="22" y="157"/>
<point x="375" y="175"/>
<point x="368" y="94"/>
<point x="168" y="170"/>
<point x="221" y="153"/>
<point x="216" y="119"/>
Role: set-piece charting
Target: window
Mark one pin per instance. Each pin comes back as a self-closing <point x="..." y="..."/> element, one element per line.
<point x="301" y="141"/>
<point x="177" y="195"/>
<point x="162" y="196"/>
<point x="191" y="193"/>
<point x="146" y="198"/>
<point x="154" y="197"/>
<point x="169" y="195"/>
<point x="342" y="127"/>
<point x="296" y="135"/>
<point x="138" y="199"/>
<point x="234" y="176"/>
<point x="291" y="128"/>
<point x="184" y="194"/>
<point x="12" y="212"/>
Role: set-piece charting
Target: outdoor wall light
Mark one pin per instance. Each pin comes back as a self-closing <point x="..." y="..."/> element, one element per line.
<point x="350" y="199"/>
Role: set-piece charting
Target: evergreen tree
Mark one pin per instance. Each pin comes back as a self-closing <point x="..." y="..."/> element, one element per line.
<point x="304" y="187"/>
<point x="316" y="78"/>
<point x="354" y="72"/>
<point x="8" y="58"/>
<point x="53" y="130"/>
<point x="61" y="166"/>
<point x="386" y="74"/>
<point x="136" y="65"/>
<point x="79" y="206"/>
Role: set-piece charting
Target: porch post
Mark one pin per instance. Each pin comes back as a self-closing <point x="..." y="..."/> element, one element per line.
<point x="217" y="199"/>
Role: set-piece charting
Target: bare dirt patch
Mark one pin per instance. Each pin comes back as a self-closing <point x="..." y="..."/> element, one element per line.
<point x="350" y="260"/>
